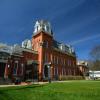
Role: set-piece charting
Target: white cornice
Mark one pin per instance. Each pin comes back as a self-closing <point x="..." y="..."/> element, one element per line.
<point x="34" y="34"/>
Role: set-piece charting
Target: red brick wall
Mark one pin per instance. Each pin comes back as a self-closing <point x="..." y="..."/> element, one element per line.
<point x="63" y="59"/>
<point x="36" y="43"/>
<point x="29" y="56"/>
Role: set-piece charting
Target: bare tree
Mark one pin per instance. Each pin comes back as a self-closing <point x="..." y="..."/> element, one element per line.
<point x="95" y="57"/>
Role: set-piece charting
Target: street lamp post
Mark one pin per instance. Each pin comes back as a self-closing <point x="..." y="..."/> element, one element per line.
<point x="49" y="74"/>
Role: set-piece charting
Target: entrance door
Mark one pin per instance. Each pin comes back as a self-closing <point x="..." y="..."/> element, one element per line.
<point x="28" y="75"/>
<point x="45" y="71"/>
<point x="35" y="72"/>
<point x="2" y="69"/>
<point x="31" y="72"/>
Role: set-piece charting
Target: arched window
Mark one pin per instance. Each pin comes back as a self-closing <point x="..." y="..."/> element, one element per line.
<point x="46" y="71"/>
<point x="15" y="68"/>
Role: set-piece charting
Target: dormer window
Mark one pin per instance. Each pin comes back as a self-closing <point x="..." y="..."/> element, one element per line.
<point x="37" y="28"/>
<point x="43" y="28"/>
<point x="47" y="27"/>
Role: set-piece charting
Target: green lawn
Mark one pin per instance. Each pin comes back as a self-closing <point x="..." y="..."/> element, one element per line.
<point x="74" y="90"/>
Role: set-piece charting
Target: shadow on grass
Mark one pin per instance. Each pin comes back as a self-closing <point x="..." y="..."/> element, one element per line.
<point x="19" y="88"/>
<point x="5" y="96"/>
<point x="4" y="91"/>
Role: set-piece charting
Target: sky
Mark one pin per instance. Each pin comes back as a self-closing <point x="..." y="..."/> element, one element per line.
<point x="75" y="22"/>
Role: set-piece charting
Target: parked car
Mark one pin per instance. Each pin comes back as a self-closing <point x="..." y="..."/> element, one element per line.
<point x="94" y="74"/>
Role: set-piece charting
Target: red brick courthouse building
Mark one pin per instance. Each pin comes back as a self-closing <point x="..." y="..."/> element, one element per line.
<point x="40" y="58"/>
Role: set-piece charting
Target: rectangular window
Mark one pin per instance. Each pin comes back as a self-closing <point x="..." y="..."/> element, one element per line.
<point x="73" y="63"/>
<point x="68" y="63"/>
<point x="51" y="58"/>
<point x="57" y="60"/>
<point x="45" y="44"/>
<point x="57" y="70"/>
<point x="54" y="59"/>
<point x="62" y="71"/>
<point x="46" y="57"/>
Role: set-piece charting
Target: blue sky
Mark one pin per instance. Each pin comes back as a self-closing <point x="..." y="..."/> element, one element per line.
<point x="75" y="22"/>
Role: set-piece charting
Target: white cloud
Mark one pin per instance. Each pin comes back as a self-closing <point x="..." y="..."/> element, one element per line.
<point x="85" y="39"/>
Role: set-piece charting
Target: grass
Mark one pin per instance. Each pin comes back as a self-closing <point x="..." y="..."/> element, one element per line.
<point x="74" y="90"/>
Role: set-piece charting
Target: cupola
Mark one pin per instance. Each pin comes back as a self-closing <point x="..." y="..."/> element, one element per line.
<point x="42" y="25"/>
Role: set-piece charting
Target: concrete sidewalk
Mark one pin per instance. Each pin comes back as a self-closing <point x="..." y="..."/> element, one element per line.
<point x="26" y="84"/>
<point x="23" y="84"/>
